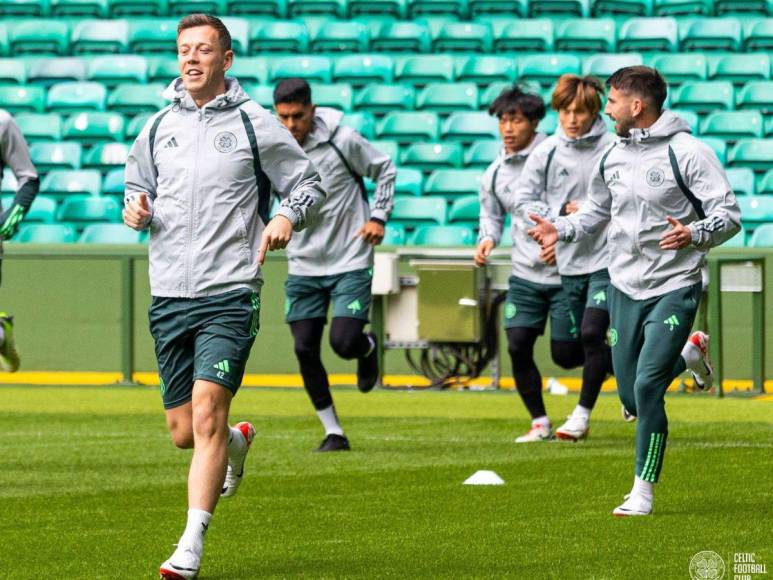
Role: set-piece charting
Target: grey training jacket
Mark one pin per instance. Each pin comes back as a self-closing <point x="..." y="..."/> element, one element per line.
<point x="15" y="154"/>
<point x="496" y="188"/>
<point x="559" y="171"/>
<point x="329" y="246"/>
<point x="656" y="172"/>
<point x="209" y="174"/>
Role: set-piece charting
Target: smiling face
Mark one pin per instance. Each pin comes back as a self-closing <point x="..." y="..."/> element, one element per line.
<point x="575" y="120"/>
<point x="623" y="110"/>
<point x="203" y="62"/>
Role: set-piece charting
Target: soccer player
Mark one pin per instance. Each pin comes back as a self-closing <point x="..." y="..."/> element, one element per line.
<point x="331" y="261"/>
<point x="15" y="154"/>
<point x="667" y="200"/>
<point x="200" y="176"/>
<point x="534" y="290"/>
<point x="559" y="171"/>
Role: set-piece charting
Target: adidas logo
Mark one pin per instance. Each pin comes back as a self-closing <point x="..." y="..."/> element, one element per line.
<point x="615" y="178"/>
<point x="672" y="322"/>
<point x="355" y="307"/>
<point x="600" y="297"/>
<point x="222" y="366"/>
<point x="171" y="144"/>
<point x="563" y="172"/>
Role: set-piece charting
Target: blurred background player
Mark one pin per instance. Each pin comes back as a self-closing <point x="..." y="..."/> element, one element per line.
<point x="200" y="176"/>
<point x="667" y="200"/>
<point x="332" y="260"/>
<point x="559" y="171"/>
<point x="534" y="290"/>
<point x="15" y="154"/>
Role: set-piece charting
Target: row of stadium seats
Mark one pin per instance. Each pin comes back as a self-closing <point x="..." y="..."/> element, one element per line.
<point x="390" y="8"/>
<point x="59" y="37"/>
<point x="443" y="98"/>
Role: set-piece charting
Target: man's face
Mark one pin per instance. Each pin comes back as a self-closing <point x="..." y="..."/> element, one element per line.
<point x="622" y="109"/>
<point x="202" y="61"/>
<point x="575" y="121"/>
<point x="297" y="117"/>
<point x="517" y="131"/>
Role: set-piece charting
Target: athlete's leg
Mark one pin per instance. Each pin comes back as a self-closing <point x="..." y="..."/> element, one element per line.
<point x="308" y="340"/>
<point x="625" y="339"/>
<point x="528" y="381"/>
<point x="348" y="339"/>
<point x="595" y="323"/>
<point x="180" y="424"/>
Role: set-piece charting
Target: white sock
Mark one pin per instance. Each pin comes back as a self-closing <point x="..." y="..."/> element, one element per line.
<point x="643" y="488"/>
<point x="541" y="421"/>
<point x="330" y="421"/>
<point x="198" y="523"/>
<point x="236" y="443"/>
<point x="580" y="411"/>
<point x="692" y="355"/>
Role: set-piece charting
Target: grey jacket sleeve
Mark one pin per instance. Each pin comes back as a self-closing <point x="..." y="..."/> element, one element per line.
<point x="140" y="173"/>
<point x="530" y="186"/>
<point x="369" y="162"/>
<point x="593" y="214"/>
<point x="492" y="214"/>
<point x="292" y="175"/>
<point x="15" y="154"/>
<point x="704" y="177"/>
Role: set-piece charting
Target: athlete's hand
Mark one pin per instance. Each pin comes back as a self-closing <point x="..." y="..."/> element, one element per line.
<point x="544" y="233"/>
<point x="548" y="255"/>
<point x="276" y="236"/>
<point x="137" y="214"/>
<point x="372" y="232"/>
<point x="483" y="251"/>
<point x="571" y="206"/>
<point x="678" y="237"/>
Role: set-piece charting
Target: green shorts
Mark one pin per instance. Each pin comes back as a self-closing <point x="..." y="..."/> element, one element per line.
<point x="203" y="338"/>
<point x="586" y="291"/>
<point x="309" y="296"/>
<point x="528" y="305"/>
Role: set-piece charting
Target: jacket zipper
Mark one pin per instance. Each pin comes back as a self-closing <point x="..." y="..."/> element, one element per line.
<point x="192" y="212"/>
<point x="634" y="177"/>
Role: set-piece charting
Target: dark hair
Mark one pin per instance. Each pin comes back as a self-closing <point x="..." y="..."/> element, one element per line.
<point x="194" y="20"/>
<point x="516" y="100"/>
<point x="292" y="91"/>
<point x="645" y="81"/>
<point x="586" y="91"/>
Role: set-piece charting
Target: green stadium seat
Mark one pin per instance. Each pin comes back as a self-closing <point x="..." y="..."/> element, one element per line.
<point x="586" y="34"/>
<point x="546" y="68"/>
<point x="77" y="97"/>
<point x="769" y="126"/>
<point x="163" y="69"/>
<point x="713" y="34"/>
<point x="737" y="241"/>
<point x="453" y="183"/>
<point x="106" y="156"/>
<point x="413" y="211"/>
<point x="46" y="234"/>
<point x="704" y="96"/>
<point x="470" y="127"/>
<point x="484" y="70"/>
<point x="261" y="94"/>
<point x="683" y="7"/>
<point x="409" y="182"/>
<point x="481" y="154"/>
<point x="133" y="98"/>
<point x="40" y="126"/>
<point x="766" y="184"/>
<point x="114" y="182"/>
<point x="152" y="36"/>
<point x="409" y="127"/>
<point x="692" y="119"/>
<point x="136" y="125"/>
<point x="239" y="30"/>
<point x="622" y="8"/>
<point x="756" y="154"/>
<point x="733" y="125"/>
<point x="760" y="37"/>
<point x="679" y="68"/>
<point x="364" y="123"/>
<point x="425" y="69"/>
<point x="427" y="157"/>
<point x="311" y="68"/>
<point x="100" y="36"/>
<point x="39" y="37"/>
<point x="114" y="70"/>
<point x="744" y="7"/>
<point x="549" y="124"/>
<point x="48" y="156"/>
<point x="526" y="34"/>
<point x="24" y="8"/>
<point x="341" y="36"/>
<point x="60" y="184"/>
<point x="447" y="98"/>
<point x="12" y="71"/>
<point x="402" y="37"/>
<point x="741" y="180"/>
<point x="603" y="65"/>
<point x="184" y="7"/>
<point x="361" y="70"/>
<point x="757" y="209"/>
<point x="719" y="146"/>
<point x="492" y="92"/>
<point x="455" y="8"/>
<point x="79" y="8"/>
<point x="110" y="234"/>
<point x="741" y="68"/>
<point x="81" y="211"/>
<point x="19" y="99"/>
<point x="639" y="34"/>
<point x="382" y="99"/>
<point x="394" y="235"/>
<point x="579" y="8"/>
<point x="42" y="210"/>
<point x="508" y="8"/>
<point x="251" y="69"/>
<point x="377" y="8"/>
<point x="389" y="148"/>
<point x="339" y="96"/>
<point x="762" y="237"/>
<point x="756" y="96"/>
<point x="121" y="8"/>
<point x="465" y="211"/>
<point x="90" y="128"/>
<point x="331" y="8"/>
<point x="442" y="236"/>
<point x="463" y="37"/>
<point x="279" y="36"/>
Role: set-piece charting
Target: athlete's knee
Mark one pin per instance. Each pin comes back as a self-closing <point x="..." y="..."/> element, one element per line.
<point x="307" y="351"/>
<point x="209" y="418"/>
<point x="567" y="354"/>
<point x="347" y="339"/>
<point x="182" y="438"/>
<point x="178" y="421"/>
<point x="520" y="342"/>
<point x="594" y="328"/>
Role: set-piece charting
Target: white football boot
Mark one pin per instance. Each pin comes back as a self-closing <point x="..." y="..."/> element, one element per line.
<point x="575" y="428"/>
<point x="634" y="505"/>
<point x="627" y="417"/>
<point x="536" y="433"/>
<point x="702" y="373"/>
<point x="182" y="565"/>
<point x="235" y="471"/>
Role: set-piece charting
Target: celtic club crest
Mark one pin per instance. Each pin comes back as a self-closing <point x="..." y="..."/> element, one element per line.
<point x="225" y="142"/>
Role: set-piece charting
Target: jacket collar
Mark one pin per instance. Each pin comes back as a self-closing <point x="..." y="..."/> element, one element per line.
<point x="233" y="97"/>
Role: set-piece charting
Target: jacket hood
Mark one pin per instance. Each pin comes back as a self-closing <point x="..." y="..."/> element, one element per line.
<point x="596" y="130"/>
<point x="668" y="125"/>
<point x="326" y="121"/>
<point x="233" y="97"/>
<point x="523" y="153"/>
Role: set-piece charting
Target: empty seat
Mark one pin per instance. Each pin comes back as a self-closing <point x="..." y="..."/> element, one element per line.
<point x="48" y="156"/>
<point x="756" y="96"/>
<point x="456" y="8"/>
<point x="766" y="184"/>
<point x="362" y="122"/>
<point x="751" y="7"/>
<point x="39" y="37"/>
<point x="338" y="36"/>
<point x="586" y="34"/>
<point x="63" y="183"/>
<point x="333" y="8"/>
<point x="408" y="127"/>
<point x="381" y="99"/>
<point x="492" y="92"/>
<point x="119" y="8"/>
<point x="741" y="68"/>
<point x="713" y="34"/>
<point x="402" y="36"/>
<point x="692" y="119"/>
<point x="18" y="99"/>
<point x="469" y="127"/>
<point x="464" y="37"/>
<point x="422" y="70"/>
<point x="24" y="8"/>
<point x="580" y="8"/>
<point x="134" y="126"/>
<point x="526" y="34"/>
<point x="377" y="8"/>
<point x="733" y="125"/>
<point x="484" y="70"/>
<point x="482" y="153"/>
<point x="261" y="94"/>
<point x="105" y="156"/>
<point x="409" y="182"/>
<point x="762" y="237"/>
<point x="279" y="36"/>
<point x="268" y="8"/>
<point x="12" y="71"/>
<point x="163" y="69"/>
<point x="604" y="65"/>
<point x="339" y="96"/>
<point x="46" y="234"/>
<point x="114" y="70"/>
<point x="82" y="211"/>
<point x="756" y="209"/>
<point x="390" y="148"/>
<point x="363" y="69"/>
<point x="546" y="68"/>
<point x="114" y="182"/>
<point x="718" y="146"/>
<point x="184" y="7"/>
<point x="465" y="211"/>
<point x="447" y="98"/>
<point x="741" y="180"/>
<point x="394" y="235"/>
<point x="453" y="182"/>
<point x="78" y="96"/>
<point x="442" y="236"/>
<point x="238" y="28"/>
<point x="153" y="36"/>
<point x="704" y="97"/>
<point x="40" y="126"/>
<point x="100" y="36"/>
<point x="251" y="69"/>
<point x="133" y="98"/>
<point x="518" y="8"/>
<point x="89" y="128"/>
<point x="42" y="210"/>
<point x="760" y="36"/>
<point x="411" y="211"/>
<point x="82" y="8"/>
<point x="49" y="71"/>
<point x="756" y="154"/>
<point x="769" y="126"/>
<point x="110" y="234"/>
<point x="623" y="7"/>
<point x="649" y="34"/>
<point x="311" y="68"/>
<point x="678" y="68"/>
<point x="683" y="7"/>
<point x="430" y="156"/>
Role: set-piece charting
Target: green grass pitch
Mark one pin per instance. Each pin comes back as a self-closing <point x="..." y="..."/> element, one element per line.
<point x="91" y="487"/>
